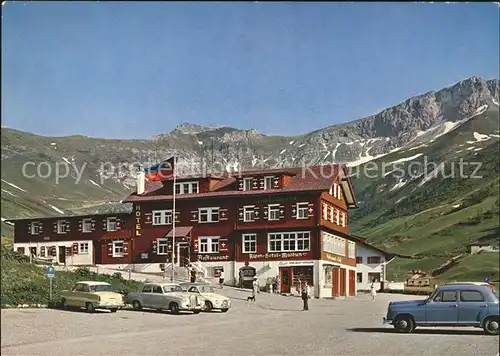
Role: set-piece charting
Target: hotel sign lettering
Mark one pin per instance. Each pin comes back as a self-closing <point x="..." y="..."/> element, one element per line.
<point x="278" y="199"/>
<point x="333" y="258"/>
<point x="279" y="255"/>
<point x="138" y="227"/>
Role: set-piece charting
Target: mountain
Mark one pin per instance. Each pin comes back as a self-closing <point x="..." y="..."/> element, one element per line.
<point x="425" y="218"/>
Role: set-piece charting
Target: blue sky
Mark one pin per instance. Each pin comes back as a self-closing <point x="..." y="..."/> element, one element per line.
<point x="131" y="70"/>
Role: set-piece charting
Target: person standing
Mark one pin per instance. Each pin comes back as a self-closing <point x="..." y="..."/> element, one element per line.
<point x="221" y="278"/>
<point x="241" y="278"/>
<point x="278" y="284"/>
<point x="305" y="297"/>
<point x="373" y="292"/>
<point x="255" y="287"/>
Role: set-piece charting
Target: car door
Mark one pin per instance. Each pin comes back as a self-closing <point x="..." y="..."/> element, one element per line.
<point x="146" y="296"/>
<point x="443" y="308"/>
<point x="157" y="298"/>
<point x="72" y="298"/>
<point x="472" y="307"/>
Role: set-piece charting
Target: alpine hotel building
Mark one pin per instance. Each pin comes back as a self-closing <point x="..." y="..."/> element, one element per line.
<point x="290" y="222"/>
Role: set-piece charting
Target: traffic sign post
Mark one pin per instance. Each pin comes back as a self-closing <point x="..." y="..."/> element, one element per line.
<point x="51" y="272"/>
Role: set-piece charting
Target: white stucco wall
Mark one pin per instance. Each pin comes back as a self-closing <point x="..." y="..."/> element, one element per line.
<point x="364" y="268"/>
<point x="71" y="260"/>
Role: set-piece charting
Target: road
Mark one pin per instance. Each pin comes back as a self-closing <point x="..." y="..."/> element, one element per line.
<point x="273" y="325"/>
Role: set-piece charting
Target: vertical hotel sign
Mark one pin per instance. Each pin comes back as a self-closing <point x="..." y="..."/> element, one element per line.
<point x="138" y="227"/>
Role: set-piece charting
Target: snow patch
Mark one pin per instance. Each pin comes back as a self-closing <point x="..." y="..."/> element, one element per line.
<point x="478" y="149"/>
<point x="66" y="160"/>
<point x="457" y="205"/>
<point x="400" y="199"/>
<point x="291" y="142"/>
<point x="53" y="144"/>
<point x="431" y="175"/>
<point x="480" y="110"/>
<point x="6" y="191"/>
<point x="15" y="186"/>
<point x="493" y="135"/>
<point x="200" y="143"/>
<point x="282" y="151"/>
<point x="349" y="143"/>
<point x="480" y="137"/>
<point x="406" y="158"/>
<point x="7" y="222"/>
<point x="398" y="185"/>
<point x="494" y="101"/>
<point x="94" y="183"/>
<point x="458" y="151"/>
<point x="56" y="209"/>
<point x="302" y="145"/>
<point x="334" y="152"/>
<point x="417" y="147"/>
<point x="470" y="148"/>
<point x="394" y="170"/>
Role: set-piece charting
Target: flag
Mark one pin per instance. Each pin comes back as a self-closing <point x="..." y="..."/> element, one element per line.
<point x="161" y="171"/>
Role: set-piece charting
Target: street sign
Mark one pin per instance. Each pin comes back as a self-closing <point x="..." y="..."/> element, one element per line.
<point x="50" y="272"/>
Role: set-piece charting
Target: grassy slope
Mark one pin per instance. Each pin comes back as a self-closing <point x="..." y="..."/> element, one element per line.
<point x="25" y="283"/>
<point x="437" y="220"/>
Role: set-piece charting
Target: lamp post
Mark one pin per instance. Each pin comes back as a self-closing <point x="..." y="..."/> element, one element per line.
<point x="173" y="221"/>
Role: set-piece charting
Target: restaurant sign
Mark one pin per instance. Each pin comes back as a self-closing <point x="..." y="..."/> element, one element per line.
<point x="213" y="257"/>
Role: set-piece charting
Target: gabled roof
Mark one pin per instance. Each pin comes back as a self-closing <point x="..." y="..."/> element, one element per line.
<point x="361" y="240"/>
<point x="302" y="179"/>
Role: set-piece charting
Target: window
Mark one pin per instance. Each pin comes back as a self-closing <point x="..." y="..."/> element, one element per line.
<point x="351" y="249"/>
<point x="335" y="190"/>
<point x="373" y="260"/>
<point x="186" y="188"/>
<point x="247" y="183"/>
<point x="207" y="215"/>
<point x="268" y="182"/>
<point x="162" y="246"/>
<point x="147" y="288"/>
<point x="359" y="277"/>
<point x="337" y="216"/>
<point x="334" y="244"/>
<point x="302" y="210"/>
<point x="328" y="276"/>
<point x="35" y="228"/>
<point x="332" y="213"/>
<point x="325" y="211"/>
<point x="61" y="226"/>
<point x="249" y="213"/>
<point x="359" y="259"/>
<point x="84" y="247"/>
<point x="288" y="241"/>
<point x="117" y="248"/>
<point x="273" y="212"/>
<point x="471" y="296"/>
<point x="342" y="219"/>
<point x="86" y="225"/>
<point x="249" y="243"/>
<point x="162" y="217"/>
<point x="339" y="192"/>
<point x="447" y="296"/>
<point x="111" y="224"/>
<point x="157" y="289"/>
<point x="208" y="244"/>
<point x="374" y="277"/>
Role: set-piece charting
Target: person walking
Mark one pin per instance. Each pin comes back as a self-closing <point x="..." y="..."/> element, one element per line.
<point x="305" y="297"/>
<point x="255" y="287"/>
<point x="221" y="278"/>
<point x="373" y="292"/>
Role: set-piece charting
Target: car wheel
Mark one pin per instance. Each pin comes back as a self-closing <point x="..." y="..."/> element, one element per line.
<point x="224" y="310"/>
<point x="491" y="326"/>
<point x="136" y="305"/>
<point x="208" y="306"/>
<point x="89" y="307"/>
<point x="404" y="324"/>
<point x="196" y="311"/>
<point x="113" y="310"/>
<point x="174" y="308"/>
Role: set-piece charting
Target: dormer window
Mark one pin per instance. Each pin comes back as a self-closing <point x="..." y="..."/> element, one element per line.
<point x="186" y="188"/>
<point x="247" y="183"/>
<point x="268" y="182"/>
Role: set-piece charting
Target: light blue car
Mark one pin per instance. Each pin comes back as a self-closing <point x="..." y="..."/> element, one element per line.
<point x="449" y="305"/>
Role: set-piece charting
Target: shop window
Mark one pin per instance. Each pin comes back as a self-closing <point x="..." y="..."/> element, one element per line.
<point x="374" y="277"/>
<point x="359" y="276"/>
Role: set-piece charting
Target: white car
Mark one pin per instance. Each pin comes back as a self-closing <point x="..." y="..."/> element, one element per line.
<point x="165" y="296"/>
<point x="213" y="300"/>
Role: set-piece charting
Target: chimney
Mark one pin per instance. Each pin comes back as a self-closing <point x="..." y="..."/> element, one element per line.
<point x="141" y="183"/>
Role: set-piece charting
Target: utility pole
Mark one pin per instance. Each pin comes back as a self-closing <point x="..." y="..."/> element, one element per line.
<point x="173" y="220"/>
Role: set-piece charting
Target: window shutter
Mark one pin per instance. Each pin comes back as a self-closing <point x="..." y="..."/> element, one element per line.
<point x="153" y="246"/>
<point x="255" y="183"/>
<point x="54" y="251"/>
<point x="223" y="245"/>
<point x="110" y="249"/>
<point x="104" y="225"/>
<point x="310" y="210"/>
<point x="75" y="248"/>
<point x="266" y="212"/>
<point x="276" y="182"/>
<point x="68" y="226"/>
<point x="92" y="225"/>
<point x="80" y="225"/>
<point x="176" y="216"/>
<point x="223" y="214"/>
<point x="282" y="211"/>
<point x="194" y="215"/>
<point x="42" y="251"/>
<point x="125" y="248"/>
<point x="261" y="183"/>
<point x="195" y="245"/>
<point x="55" y="226"/>
<point x="40" y="227"/>
<point x="118" y="224"/>
<point x="241" y="212"/>
<point x="240" y="184"/>
<point x="256" y="213"/>
<point x="294" y="211"/>
<point x="69" y="251"/>
<point x="149" y="218"/>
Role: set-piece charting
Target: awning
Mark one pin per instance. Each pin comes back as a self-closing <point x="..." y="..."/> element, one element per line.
<point x="180" y="231"/>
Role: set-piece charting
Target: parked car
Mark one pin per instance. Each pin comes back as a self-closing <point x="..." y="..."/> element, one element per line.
<point x="92" y="295"/>
<point x="165" y="296"/>
<point x="212" y="299"/>
<point x="449" y="305"/>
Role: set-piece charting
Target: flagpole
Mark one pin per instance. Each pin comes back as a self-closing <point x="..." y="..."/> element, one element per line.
<point x="173" y="221"/>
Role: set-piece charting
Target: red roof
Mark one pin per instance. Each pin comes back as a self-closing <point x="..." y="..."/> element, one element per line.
<point x="181" y="231"/>
<point x="316" y="178"/>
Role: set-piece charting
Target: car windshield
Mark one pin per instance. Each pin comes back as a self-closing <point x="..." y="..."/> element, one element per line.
<point x="171" y="289"/>
<point x="206" y="289"/>
<point x="101" y="288"/>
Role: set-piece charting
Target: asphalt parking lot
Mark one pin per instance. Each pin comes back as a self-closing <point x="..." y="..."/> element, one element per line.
<point x="273" y="325"/>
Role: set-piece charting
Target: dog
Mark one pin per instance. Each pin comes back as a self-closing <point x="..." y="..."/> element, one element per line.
<point x="251" y="298"/>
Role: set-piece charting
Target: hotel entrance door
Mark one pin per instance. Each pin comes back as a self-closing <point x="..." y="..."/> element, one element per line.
<point x="285" y="279"/>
